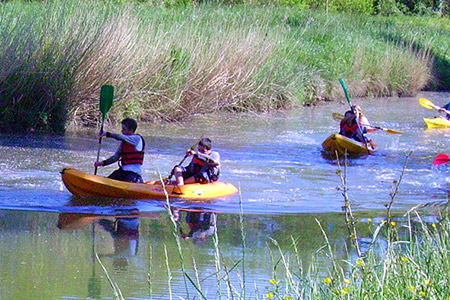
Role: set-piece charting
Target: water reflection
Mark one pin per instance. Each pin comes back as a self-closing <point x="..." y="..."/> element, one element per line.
<point x="201" y="224"/>
<point x="124" y="231"/>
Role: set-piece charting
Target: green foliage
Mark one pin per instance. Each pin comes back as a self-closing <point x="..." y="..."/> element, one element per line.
<point x="170" y="62"/>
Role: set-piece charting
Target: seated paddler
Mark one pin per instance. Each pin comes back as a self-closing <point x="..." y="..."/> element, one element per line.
<point x="349" y="127"/>
<point x="203" y="168"/>
<point x="129" y="154"/>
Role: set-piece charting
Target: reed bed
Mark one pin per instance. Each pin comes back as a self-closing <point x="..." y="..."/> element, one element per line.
<point x="170" y="63"/>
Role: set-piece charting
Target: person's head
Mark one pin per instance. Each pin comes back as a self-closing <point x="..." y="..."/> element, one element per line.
<point x="348" y="113"/>
<point x="129" y="126"/>
<point x="357" y="110"/>
<point x="204" y="146"/>
<point x="349" y="117"/>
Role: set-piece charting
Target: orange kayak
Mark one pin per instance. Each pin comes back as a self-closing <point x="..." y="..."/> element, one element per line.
<point x="84" y="184"/>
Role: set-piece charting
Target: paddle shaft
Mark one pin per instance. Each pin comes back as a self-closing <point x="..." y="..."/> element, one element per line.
<point x="99" y="146"/>
<point x="338" y="117"/>
<point x="430" y="105"/>
<point x="441" y="108"/>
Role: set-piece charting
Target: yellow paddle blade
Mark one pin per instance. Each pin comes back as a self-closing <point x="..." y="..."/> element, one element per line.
<point x="427" y="103"/>
<point x="392" y="131"/>
<point x="337" y="116"/>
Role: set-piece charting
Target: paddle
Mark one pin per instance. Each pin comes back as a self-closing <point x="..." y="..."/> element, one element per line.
<point x="94" y="283"/>
<point x="184" y="158"/>
<point x="430" y="105"/>
<point x="106" y="101"/>
<point x="339" y="117"/>
<point x="441" y="159"/>
<point x="344" y="87"/>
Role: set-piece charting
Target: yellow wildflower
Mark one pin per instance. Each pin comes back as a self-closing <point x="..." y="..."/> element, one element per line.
<point x="369" y="220"/>
<point x="327" y="280"/>
<point x="411" y="288"/>
<point x="433" y="225"/>
<point x="427" y="281"/>
<point x="273" y="281"/>
<point x="360" y="262"/>
<point x="345" y="290"/>
<point x="383" y="221"/>
<point x="287" y="298"/>
<point x="404" y="259"/>
<point x="269" y="296"/>
<point x="347" y="281"/>
<point x="422" y="293"/>
<point x="393" y="223"/>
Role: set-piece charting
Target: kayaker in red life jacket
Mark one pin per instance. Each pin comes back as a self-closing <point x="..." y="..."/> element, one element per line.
<point x="130" y="153"/>
<point x="349" y="127"/>
<point x="204" y="167"/>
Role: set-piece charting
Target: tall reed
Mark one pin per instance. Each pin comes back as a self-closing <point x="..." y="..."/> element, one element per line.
<point x="170" y="63"/>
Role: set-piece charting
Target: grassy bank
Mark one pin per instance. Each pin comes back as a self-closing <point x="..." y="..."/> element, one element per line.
<point x="169" y="63"/>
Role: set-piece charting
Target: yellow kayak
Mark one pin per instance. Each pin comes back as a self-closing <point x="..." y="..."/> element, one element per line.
<point x="341" y="144"/>
<point x="436" y="122"/>
<point x="88" y="185"/>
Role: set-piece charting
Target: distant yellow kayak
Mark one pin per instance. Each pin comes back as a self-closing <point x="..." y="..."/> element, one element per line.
<point x="436" y="122"/>
<point x="342" y="144"/>
<point x="84" y="184"/>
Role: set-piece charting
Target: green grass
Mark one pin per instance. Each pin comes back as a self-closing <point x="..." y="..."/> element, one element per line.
<point x="170" y="63"/>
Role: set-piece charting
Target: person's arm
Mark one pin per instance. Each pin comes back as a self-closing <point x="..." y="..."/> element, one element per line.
<point x="115" y="157"/>
<point x="133" y="139"/>
<point x="212" y="159"/>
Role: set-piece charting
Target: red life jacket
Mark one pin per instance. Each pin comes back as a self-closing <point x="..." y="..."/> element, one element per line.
<point x="129" y="154"/>
<point x="349" y="130"/>
<point x="197" y="164"/>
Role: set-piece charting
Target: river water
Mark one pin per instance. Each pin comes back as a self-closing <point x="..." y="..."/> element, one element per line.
<point x="48" y="237"/>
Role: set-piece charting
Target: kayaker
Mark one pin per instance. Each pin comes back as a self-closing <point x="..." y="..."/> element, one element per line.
<point x="349" y="127"/>
<point x="130" y="153"/>
<point x="444" y="108"/>
<point x="204" y="167"/>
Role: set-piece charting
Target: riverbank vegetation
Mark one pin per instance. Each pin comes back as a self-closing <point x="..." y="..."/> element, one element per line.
<point x="170" y="62"/>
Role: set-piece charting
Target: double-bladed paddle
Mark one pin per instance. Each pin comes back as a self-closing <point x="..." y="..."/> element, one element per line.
<point x="338" y="117"/>
<point x="106" y="101"/>
<point x="430" y="105"/>
<point x="441" y="159"/>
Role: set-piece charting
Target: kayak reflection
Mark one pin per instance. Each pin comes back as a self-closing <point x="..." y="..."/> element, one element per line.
<point x="124" y="231"/>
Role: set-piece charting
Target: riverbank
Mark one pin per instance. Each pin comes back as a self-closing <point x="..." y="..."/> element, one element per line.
<point x="171" y="63"/>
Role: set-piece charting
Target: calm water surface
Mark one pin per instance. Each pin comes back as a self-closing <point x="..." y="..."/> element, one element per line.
<point x="47" y="236"/>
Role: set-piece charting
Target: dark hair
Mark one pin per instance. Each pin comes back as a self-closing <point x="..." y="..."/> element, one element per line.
<point x="130" y="123"/>
<point x="206" y="143"/>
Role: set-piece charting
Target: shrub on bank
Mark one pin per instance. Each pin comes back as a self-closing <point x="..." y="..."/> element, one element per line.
<point x="169" y="63"/>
